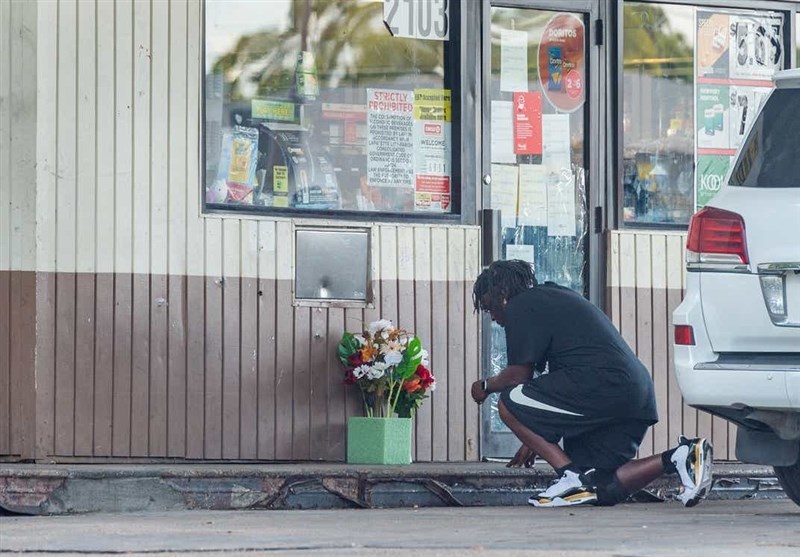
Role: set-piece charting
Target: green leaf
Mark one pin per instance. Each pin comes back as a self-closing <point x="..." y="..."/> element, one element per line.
<point x="347" y="347"/>
<point x="412" y="357"/>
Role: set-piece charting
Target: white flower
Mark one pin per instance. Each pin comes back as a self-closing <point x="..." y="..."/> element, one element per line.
<point x="393" y="358"/>
<point x="362" y="371"/>
<point x="391" y="346"/>
<point x="432" y="386"/>
<point x="424" y="355"/>
<point x="380" y="366"/>
<point x="379" y="325"/>
<point x="375" y="373"/>
<point x="361" y="340"/>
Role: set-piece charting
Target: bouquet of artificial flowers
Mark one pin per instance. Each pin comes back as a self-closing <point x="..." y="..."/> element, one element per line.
<point x="390" y="368"/>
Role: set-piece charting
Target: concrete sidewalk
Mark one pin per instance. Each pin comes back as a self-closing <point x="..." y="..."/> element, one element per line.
<point x="81" y="488"/>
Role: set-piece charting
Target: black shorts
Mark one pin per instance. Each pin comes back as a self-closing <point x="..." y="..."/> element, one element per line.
<point x="591" y="441"/>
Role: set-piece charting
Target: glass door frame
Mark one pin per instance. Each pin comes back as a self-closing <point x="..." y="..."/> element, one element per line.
<point x="596" y="18"/>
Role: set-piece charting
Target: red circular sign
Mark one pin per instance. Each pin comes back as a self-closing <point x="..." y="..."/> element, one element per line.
<point x="573" y="83"/>
<point x="561" y="60"/>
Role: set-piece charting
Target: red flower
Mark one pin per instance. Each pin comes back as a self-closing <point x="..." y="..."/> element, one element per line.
<point x="355" y="359"/>
<point x="349" y="378"/>
<point x="425" y="376"/>
<point x="411" y="385"/>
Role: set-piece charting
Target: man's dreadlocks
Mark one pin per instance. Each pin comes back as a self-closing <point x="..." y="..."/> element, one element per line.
<point x="502" y="279"/>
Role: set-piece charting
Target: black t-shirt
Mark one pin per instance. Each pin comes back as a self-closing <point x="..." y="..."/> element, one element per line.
<point x="602" y="376"/>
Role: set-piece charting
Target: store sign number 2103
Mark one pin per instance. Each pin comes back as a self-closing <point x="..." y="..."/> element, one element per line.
<point x="418" y="19"/>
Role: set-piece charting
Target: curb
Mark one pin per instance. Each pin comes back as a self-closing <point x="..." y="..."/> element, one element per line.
<point x="71" y="489"/>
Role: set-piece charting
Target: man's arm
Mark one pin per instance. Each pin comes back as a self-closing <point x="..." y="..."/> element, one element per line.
<point x="510" y="376"/>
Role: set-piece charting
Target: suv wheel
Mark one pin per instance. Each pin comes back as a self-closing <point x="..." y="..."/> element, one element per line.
<point x="789" y="477"/>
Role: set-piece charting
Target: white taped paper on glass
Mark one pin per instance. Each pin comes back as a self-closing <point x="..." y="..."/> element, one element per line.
<point x="502" y="130"/>
<point x="513" y="60"/>
<point x="532" y="195"/>
<point x="520" y="251"/>
<point x="504" y="192"/>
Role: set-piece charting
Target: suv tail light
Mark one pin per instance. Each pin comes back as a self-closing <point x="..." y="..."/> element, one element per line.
<point x="684" y="335"/>
<point x="716" y="241"/>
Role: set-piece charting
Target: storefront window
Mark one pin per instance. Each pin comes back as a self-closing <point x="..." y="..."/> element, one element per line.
<point x="694" y="79"/>
<point x="314" y="105"/>
<point x="658" y="114"/>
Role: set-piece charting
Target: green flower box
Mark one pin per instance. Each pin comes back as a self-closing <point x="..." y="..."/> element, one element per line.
<point x="379" y="440"/>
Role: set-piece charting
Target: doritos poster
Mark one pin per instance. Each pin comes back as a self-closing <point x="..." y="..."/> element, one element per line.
<point x="561" y="61"/>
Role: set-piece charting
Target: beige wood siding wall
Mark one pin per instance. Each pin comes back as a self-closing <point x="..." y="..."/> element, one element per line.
<point x="647" y="278"/>
<point x="17" y="224"/>
<point x="166" y="333"/>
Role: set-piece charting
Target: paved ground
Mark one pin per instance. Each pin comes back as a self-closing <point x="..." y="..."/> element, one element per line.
<point x="714" y="528"/>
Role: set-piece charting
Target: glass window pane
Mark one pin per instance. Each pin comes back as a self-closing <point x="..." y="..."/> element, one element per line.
<point x="288" y="122"/>
<point x="694" y="78"/>
<point x="658" y="113"/>
<point x="770" y="157"/>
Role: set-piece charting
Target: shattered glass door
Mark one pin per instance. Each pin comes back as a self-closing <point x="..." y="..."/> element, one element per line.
<point x="534" y="169"/>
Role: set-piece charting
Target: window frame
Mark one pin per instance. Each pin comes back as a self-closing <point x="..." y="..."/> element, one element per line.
<point x="460" y="189"/>
<point x="791" y="11"/>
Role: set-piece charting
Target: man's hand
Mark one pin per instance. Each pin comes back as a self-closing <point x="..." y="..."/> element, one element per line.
<point x="524" y="457"/>
<point x="478" y="394"/>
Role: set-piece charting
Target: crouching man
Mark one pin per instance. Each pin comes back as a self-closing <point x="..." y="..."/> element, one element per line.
<point x="595" y="395"/>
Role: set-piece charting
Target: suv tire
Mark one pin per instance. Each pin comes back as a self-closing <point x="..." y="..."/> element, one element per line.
<point x="789" y="478"/>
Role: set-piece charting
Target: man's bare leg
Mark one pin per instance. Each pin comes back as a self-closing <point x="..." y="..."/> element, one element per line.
<point x="550" y="452"/>
<point x="632" y="476"/>
<point x="636" y="474"/>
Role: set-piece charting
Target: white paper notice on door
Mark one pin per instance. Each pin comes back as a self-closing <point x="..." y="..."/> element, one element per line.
<point x="561" y="220"/>
<point x="532" y="195"/>
<point x="513" y="60"/>
<point x="555" y="140"/>
<point x="502" y="130"/>
<point x="504" y="193"/>
<point x="520" y="251"/>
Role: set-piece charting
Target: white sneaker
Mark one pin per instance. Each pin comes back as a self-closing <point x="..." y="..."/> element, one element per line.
<point x="693" y="459"/>
<point x="570" y="489"/>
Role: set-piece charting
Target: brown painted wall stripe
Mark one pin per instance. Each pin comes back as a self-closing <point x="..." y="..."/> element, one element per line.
<point x="248" y="361"/>
<point x="45" y="364"/>
<point x="65" y="365"/>
<point x="213" y="368"/>
<point x="5" y="362"/>
<point x="22" y="335"/>
<point x="140" y="367"/>
<point x="267" y="295"/>
<point x="121" y="403"/>
<point x="103" y="364"/>
<point x="195" y="367"/>
<point x="84" y="363"/>
<point x="176" y="366"/>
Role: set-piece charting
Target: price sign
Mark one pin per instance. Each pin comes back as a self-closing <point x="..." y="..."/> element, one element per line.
<point x="418" y="19"/>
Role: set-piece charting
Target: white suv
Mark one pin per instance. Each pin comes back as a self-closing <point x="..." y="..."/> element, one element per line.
<point x="737" y="332"/>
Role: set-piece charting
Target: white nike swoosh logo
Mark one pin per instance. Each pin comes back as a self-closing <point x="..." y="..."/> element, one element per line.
<point x="517" y="397"/>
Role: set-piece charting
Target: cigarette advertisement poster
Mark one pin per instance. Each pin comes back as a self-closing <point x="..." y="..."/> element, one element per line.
<point x="432" y="149"/>
<point x="562" y="68"/>
<point x="390" y="143"/>
<point x="711" y="171"/>
<point x="528" y="123"/>
<point x="736" y="54"/>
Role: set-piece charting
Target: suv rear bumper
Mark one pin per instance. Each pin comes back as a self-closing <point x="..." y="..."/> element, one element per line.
<point x="710" y="379"/>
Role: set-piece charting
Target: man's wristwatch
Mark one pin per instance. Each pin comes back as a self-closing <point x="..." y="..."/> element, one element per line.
<point x="485" y="385"/>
